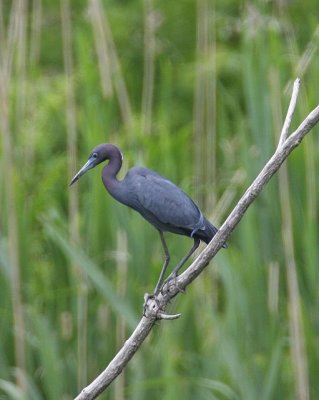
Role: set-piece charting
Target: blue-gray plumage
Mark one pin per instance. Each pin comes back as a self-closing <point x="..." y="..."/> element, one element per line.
<point x="157" y="199"/>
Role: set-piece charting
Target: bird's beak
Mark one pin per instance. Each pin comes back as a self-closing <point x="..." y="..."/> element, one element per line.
<point x="88" y="165"/>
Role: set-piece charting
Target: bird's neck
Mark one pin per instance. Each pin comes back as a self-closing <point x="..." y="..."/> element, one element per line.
<point x="110" y="171"/>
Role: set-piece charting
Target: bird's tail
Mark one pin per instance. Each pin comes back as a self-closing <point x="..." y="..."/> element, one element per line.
<point x="208" y="233"/>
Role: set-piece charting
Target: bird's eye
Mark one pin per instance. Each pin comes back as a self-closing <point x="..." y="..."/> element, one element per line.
<point x="94" y="155"/>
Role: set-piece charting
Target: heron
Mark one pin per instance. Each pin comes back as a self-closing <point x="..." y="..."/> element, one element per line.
<point x="163" y="204"/>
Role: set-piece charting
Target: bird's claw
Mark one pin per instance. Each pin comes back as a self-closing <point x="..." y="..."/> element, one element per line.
<point x="171" y="282"/>
<point x="152" y="307"/>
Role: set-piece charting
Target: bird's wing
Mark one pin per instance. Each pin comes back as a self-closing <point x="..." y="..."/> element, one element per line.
<point x="161" y="198"/>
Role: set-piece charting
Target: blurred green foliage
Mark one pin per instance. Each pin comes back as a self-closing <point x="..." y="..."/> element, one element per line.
<point x="196" y="90"/>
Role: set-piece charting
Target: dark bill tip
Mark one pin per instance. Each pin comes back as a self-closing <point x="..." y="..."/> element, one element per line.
<point x="88" y="165"/>
<point x="74" y="179"/>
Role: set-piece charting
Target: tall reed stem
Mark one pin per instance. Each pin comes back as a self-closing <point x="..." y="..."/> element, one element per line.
<point x="35" y="39"/>
<point x="121" y="258"/>
<point x="298" y="351"/>
<point x="205" y="104"/>
<point x="98" y="16"/>
<point x="79" y="274"/>
<point x="149" y="66"/>
<point x="15" y="39"/>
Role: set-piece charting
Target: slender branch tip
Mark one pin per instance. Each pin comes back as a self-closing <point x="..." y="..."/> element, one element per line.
<point x="290" y="113"/>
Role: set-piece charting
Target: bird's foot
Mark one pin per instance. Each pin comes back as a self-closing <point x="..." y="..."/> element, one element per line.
<point x="152" y="308"/>
<point x="171" y="282"/>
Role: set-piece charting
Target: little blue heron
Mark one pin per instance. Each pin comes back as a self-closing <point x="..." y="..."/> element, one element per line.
<point x="158" y="200"/>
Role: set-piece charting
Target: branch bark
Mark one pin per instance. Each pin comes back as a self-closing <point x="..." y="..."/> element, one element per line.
<point x="155" y="307"/>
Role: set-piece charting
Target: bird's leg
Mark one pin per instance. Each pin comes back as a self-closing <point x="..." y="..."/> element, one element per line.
<point x="173" y="275"/>
<point x="158" y="286"/>
<point x="166" y="262"/>
<point x="184" y="259"/>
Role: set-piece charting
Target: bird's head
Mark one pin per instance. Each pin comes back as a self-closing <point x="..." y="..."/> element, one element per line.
<point x="100" y="153"/>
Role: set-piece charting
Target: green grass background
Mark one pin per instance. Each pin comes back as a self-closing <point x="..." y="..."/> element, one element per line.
<point x="198" y="91"/>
